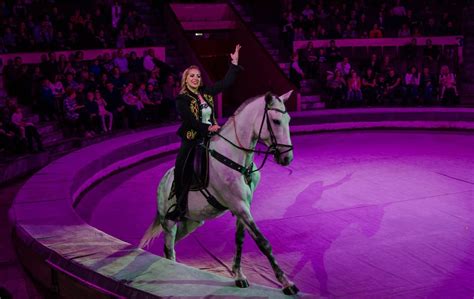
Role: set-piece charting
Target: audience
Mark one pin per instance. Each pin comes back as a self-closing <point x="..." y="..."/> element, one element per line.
<point x="369" y="18"/>
<point x="49" y="26"/>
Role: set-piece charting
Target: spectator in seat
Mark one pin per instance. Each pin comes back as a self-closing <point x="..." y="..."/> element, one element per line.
<point x="431" y="29"/>
<point x="135" y="65"/>
<point x="103" y="113"/>
<point x="337" y="32"/>
<point x="296" y="73"/>
<point x="321" y="56"/>
<point x="133" y="104"/>
<point x="121" y="62"/>
<point x="386" y="65"/>
<point x="410" y="51"/>
<point x="151" y="109"/>
<point x="375" y="32"/>
<point x="354" y="92"/>
<point x="449" y="29"/>
<point x="149" y="61"/>
<point x="430" y="53"/>
<point x="115" y="104"/>
<point x="117" y="79"/>
<point x="447" y="83"/>
<point x="27" y="130"/>
<point x="373" y="64"/>
<point x="95" y="68"/>
<point x="344" y="66"/>
<point x="46" y="101"/>
<point x="299" y="34"/>
<point x="404" y="31"/>
<point x="92" y="108"/>
<point x="393" y="86"/>
<point x="107" y="63"/>
<point x="349" y="32"/>
<point x="427" y="86"/>
<point x="363" y="25"/>
<point x="308" y="60"/>
<point x="9" y="141"/>
<point x="333" y="52"/>
<point x="412" y="83"/>
<point x="380" y="87"/>
<point x="116" y="13"/>
<point x="369" y="87"/>
<point x="337" y="88"/>
<point x="75" y="114"/>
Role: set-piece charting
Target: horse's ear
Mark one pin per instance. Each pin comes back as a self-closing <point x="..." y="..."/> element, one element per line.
<point x="268" y="98"/>
<point x="286" y="96"/>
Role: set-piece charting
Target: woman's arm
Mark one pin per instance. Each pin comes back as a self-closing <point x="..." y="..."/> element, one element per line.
<point x="229" y="78"/>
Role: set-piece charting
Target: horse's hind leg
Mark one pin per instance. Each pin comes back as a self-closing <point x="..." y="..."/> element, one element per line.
<point x="244" y="215"/>
<point x="240" y="279"/>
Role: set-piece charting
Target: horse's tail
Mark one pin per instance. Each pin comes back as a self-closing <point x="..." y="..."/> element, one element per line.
<point x="151" y="233"/>
<point x="156" y="228"/>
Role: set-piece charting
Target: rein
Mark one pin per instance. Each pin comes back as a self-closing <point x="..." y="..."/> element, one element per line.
<point x="272" y="149"/>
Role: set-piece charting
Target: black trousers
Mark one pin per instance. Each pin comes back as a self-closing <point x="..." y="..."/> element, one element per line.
<point x="183" y="172"/>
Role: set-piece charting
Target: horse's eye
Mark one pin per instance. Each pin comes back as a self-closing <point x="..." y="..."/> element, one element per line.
<point x="276" y="122"/>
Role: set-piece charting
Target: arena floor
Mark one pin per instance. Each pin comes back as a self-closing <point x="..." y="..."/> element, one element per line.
<point x="357" y="214"/>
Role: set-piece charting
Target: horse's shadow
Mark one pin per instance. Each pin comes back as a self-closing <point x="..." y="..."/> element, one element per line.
<point x="327" y="227"/>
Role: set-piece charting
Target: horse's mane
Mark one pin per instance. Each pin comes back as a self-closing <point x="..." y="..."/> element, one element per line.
<point x="242" y="107"/>
<point x="245" y="104"/>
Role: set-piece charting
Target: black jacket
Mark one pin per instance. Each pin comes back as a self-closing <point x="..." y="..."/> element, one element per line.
<point x="187" y="105"/>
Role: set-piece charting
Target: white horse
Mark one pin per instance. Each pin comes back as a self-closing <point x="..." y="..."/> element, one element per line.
<point x="261" y="118"/>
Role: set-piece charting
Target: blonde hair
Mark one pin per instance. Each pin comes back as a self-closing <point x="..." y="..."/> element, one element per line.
<point x="185" y="76"/>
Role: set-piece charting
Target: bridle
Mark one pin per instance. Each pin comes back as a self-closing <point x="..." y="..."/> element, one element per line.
<point x="273" y="148"/>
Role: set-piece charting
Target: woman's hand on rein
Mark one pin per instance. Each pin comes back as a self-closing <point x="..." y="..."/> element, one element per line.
<point x="213" y="128"/>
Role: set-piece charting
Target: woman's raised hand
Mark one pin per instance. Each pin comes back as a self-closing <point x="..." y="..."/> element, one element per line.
<point x="235" y="56"/>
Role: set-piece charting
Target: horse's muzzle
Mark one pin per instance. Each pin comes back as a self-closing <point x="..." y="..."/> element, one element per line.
<point x="283" y="159"/>
<point x="286" y="161"/>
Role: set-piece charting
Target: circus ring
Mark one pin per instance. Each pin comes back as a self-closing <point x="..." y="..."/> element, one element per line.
<point x="359" y="212"/>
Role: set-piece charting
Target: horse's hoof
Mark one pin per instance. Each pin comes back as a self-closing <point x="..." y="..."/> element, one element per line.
<point x="242" y="283"/>
<point x="291" y="290"/>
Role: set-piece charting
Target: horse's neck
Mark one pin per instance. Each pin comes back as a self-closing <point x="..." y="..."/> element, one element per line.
<point x="239" y="130"/>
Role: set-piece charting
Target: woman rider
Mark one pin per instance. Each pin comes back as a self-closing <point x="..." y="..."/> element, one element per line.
<point x="195" y="106"/>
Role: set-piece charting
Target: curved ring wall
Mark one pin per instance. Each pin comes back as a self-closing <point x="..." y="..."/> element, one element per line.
<point x="75" y="260"/>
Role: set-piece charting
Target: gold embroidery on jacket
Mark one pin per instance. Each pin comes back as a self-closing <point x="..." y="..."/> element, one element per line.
<point x="194" y="108"/>
<point x="209" y="99"/>
<point x="191" y="134"/>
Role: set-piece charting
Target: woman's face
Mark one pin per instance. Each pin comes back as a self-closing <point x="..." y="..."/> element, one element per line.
<point x="193" y="80"/>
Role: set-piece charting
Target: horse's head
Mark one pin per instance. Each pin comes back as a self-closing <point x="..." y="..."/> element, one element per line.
<point x="274" y="130"/>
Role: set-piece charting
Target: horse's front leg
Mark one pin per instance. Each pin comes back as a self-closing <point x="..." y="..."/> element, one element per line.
<point x="243" y="213"/>
<point x="240" y="279"/>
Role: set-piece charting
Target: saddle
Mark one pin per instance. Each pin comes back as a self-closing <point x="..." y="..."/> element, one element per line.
<point x="200" y="179"/>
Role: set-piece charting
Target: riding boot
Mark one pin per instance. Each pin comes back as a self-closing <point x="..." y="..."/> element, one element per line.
<point x="179" y="211"/>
